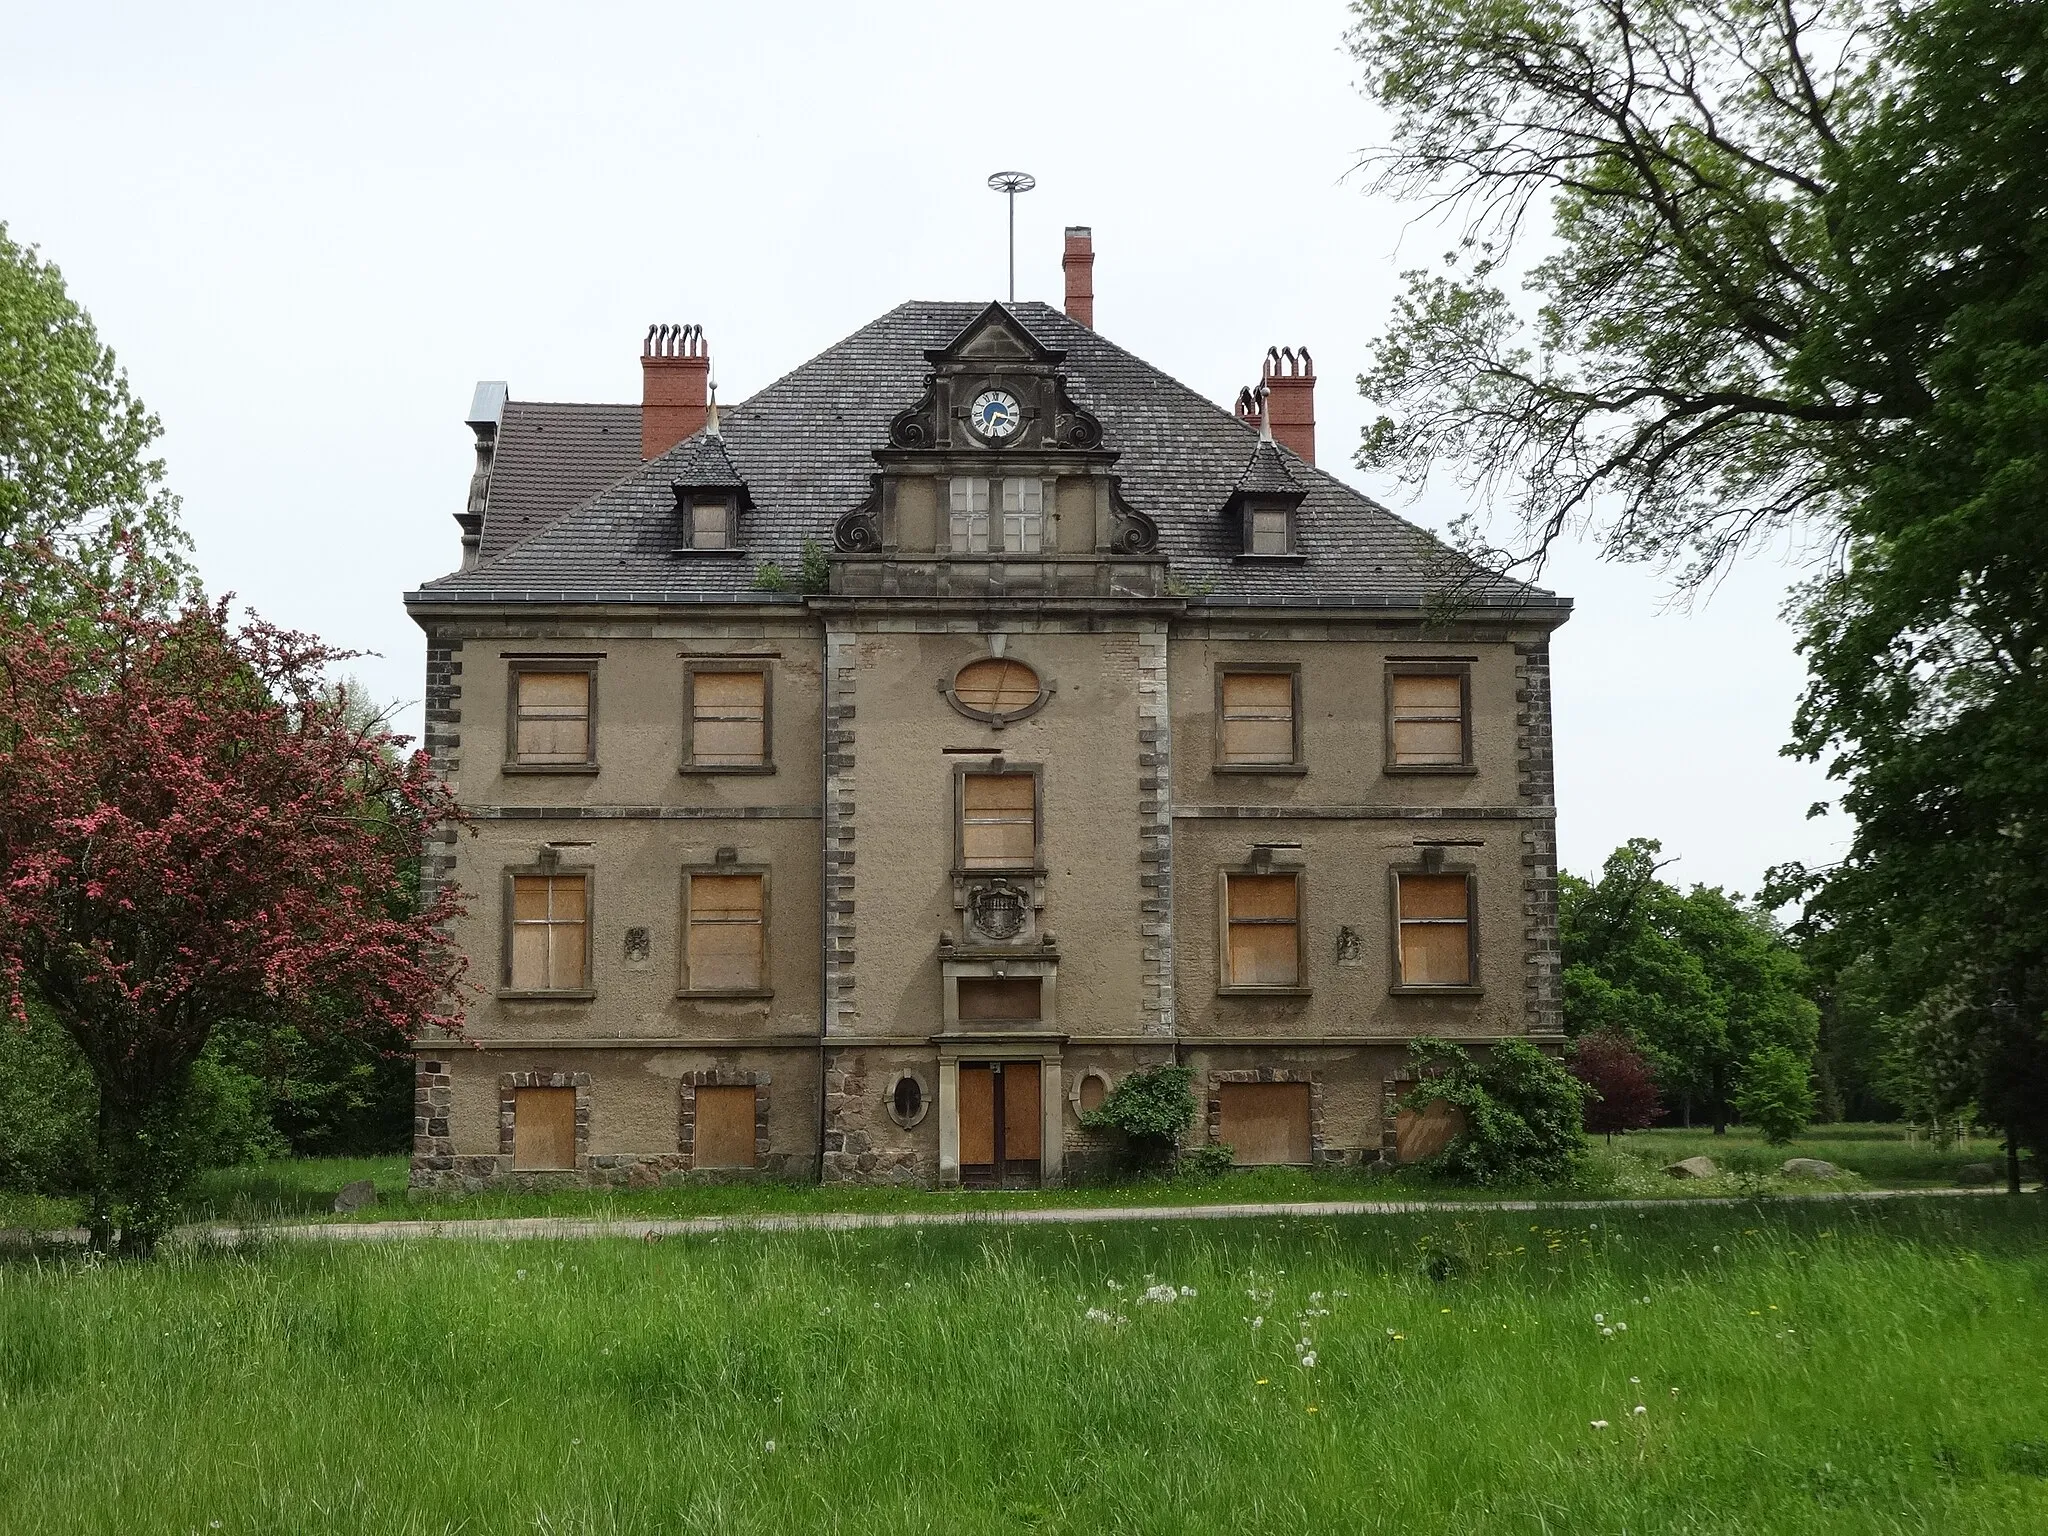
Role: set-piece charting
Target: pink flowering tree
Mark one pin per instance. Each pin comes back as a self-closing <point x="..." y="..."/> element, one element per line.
<point x="196" y="827"/>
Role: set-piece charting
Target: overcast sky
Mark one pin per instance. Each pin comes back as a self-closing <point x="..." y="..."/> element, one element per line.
<point x="308" y="231"/>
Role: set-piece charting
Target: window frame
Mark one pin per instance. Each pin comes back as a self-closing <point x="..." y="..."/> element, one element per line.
<point x="555" y="871"/>
<point x="1298" y="764"/>
<point x="514" y="670"/>
<point x="950" y="686"/>
<point x="729" y="502"/>
<point x="1462" y="670"/>
<point x="1000" y="515"/>
<point x="1253" y="505"/>
<point x="990" y="515"/>
<point x="997" y="765"/>
<point x="1396" y="985"/>
<point x="765" y="988"/>
<point x="691" y="669"/>
<point x="1225" y="987"/>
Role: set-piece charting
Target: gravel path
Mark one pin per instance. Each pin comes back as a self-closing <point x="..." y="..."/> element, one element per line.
<point x="652" y="1229"/>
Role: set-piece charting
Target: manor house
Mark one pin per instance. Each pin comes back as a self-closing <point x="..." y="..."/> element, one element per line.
<point x="866" y="776"/>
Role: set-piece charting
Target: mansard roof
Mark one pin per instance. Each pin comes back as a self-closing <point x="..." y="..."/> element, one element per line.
<point x="804" y="446"/>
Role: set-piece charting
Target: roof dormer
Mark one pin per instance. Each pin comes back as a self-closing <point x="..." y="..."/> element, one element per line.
<point x="711" y="494"/>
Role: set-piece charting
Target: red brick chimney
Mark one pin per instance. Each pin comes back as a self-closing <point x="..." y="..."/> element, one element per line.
<point x="675" y="378"/>
<point x="1290" y="379"/>
<point x="1079" y="264"/>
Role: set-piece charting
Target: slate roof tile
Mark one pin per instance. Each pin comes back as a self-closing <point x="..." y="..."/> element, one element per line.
<point x="804" y="447"/>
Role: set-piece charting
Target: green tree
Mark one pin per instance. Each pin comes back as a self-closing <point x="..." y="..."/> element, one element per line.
<point x="79" y="476"/>
<point x="1523" y="1111"/>
<point x="1775" y="1094"/>
<point x="1701" y="980"/>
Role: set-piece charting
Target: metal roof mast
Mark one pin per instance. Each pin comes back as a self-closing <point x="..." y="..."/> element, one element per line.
<point x="1010" y="183"/>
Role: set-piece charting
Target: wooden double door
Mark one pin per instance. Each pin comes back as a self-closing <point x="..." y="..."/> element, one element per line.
<point x="1002" y="1119"/>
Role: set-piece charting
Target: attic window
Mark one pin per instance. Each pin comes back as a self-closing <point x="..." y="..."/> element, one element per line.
<point x="1268" y="529"/>
<point x="710" y="523"/>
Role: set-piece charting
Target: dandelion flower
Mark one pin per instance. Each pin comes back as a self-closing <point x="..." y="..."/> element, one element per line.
<point x="1621" y="1327"/>
<point x="1599" y="1424"/>
<point x="1260" y="1382"/>
<point x="1635" y="1381"/>
<point x="1308" y="1361"/>
<point x="1312" y="1408"/>
<point x="769" y="1446"/>
<point x="1606" y="1333"/>
<point x="1640" y="1409"/>
<point x="1599" y="1317"/>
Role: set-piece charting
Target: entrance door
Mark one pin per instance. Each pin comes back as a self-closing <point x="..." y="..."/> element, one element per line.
<point x="1000" y="1124"/>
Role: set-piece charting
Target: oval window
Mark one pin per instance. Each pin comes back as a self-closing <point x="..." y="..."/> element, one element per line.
<point x="908" y="1098"/>
<point x="1094" y="1089"/>
<point x="996" y="685"/>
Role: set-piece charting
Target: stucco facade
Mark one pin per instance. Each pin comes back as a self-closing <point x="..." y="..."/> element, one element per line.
<point x="1007" y="821"/>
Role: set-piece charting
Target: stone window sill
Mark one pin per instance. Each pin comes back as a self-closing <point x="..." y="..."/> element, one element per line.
<point x="1436" y="991"/>
<point x="562" y="995"/>
<point x="737" y="994"/>
<point x="537" y="768"/>
<point x="1288" y="992"/>
<point x="1432" y="768"/>
<point x="696" y="770"/>
<point x="1242" y="770"/>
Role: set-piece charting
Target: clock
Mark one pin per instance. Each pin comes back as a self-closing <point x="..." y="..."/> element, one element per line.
<point x="995" y="413"/>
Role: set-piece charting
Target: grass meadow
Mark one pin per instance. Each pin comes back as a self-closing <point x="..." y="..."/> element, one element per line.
<point x="1872" y="1156"/>
<point x="1759" y="1369"/>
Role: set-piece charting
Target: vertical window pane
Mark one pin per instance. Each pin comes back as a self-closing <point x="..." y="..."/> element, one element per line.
<point x="1263" y="922"/>
<point x="729" y="717"/>
<point x="725" y="950"/>
<point x="1258" y="717"/>
<point x="552" y="718"/>
<point x="970" y="512"/>
<point x="999" y="823"/>
<point x="1429" y="720"/>
<point x="1436" y="930"/>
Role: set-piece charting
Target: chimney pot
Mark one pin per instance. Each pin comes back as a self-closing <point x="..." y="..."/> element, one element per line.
<point x="1289" y="376"/>
<point x="675" y="380"/>
<point x="1079" y="264"/>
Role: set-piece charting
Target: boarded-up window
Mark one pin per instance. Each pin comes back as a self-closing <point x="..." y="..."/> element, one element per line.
<point x="724" y="950"/>
<point x="1258" y="718"/>
<point x="1268" y="531"/>
<point x="728" y="719"/>
<point x="998" y="998"/>
<point x="550" y="933"/>
<point x="711" y="524"/>
<point x="544" y="1128"/>
<point x="552" y="718"/>
<point x="725" y="1127"/>
<point x="1424" y="1132"/>
<point x="1264" y="1122"/>
<point x="1263" y="922"/>
<point x="1094" y="1089"/>
<point x="998" y="820"/>
<point x="1436" y="930"/>
<point x="1428" y="719"/>
<point x="996" y="685"/>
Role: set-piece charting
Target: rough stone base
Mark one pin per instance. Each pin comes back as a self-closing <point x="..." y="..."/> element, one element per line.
<point x="446" y="1175"/>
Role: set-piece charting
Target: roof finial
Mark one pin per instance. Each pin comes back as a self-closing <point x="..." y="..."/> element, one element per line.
<point x="711" y="416"/>
<point x="1260" y="394"/>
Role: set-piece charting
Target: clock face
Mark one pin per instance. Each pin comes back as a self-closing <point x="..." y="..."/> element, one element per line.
<point x="995" y="413"/>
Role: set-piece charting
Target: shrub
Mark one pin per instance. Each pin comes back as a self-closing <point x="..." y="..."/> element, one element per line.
<point x="1623" y="1094"/>
<point x="768" y="577"/>
<point x="814" y="570"/>
<point x="1776" y="1094"/>
<point x="1153" y="1107"/>
<point x="1522" y="1112"/>
<point x="1210" y="1160"/>
<point x="46" y="1107"/>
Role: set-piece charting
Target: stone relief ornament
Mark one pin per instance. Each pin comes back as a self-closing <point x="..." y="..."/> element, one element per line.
<point x="998" y="911"/>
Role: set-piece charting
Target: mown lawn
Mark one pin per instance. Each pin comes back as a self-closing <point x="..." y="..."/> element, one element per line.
<point x="1798" y="1369"/>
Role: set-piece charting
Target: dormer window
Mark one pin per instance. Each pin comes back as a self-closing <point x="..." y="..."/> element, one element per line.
<point x="711" y="523"/>
<point x="1268" y="530"/>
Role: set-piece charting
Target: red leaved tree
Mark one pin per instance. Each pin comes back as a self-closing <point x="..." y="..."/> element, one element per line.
<point x="1624" y="1096"/>
<point x="193" y="829"/>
